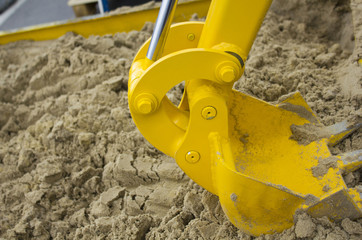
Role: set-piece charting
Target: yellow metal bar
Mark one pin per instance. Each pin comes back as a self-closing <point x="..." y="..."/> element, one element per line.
<point x="104" y="25"/>
<point x="234" y="22"/>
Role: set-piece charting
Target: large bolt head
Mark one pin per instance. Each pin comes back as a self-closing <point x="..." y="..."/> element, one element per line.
<point x="227" y="74"/>
<point x="145" y="103"/>
<point x="144" y="106"/>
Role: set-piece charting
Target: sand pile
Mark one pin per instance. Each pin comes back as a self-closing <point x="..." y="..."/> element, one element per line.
<point x="74" y="166"/>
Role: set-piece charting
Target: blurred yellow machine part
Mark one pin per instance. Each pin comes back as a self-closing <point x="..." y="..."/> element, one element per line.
<point x="101" y="25"/>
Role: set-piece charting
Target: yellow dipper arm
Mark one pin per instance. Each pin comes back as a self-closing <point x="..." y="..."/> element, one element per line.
<point x="234" y="22"/>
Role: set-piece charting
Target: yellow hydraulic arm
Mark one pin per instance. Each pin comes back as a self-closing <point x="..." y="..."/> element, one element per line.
<point x="235" y="146"/>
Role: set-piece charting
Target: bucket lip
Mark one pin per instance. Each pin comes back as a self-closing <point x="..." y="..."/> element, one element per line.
<point x="276" y="186"/>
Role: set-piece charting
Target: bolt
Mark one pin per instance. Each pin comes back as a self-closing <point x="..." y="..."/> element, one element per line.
<point x="192" y="157"/>
<point x="227" y="74"/>
<point x="191" y="36"/>
<point x="144" y="106"/>
<point x="145" y="103"/>
<point x="208" y="113"/>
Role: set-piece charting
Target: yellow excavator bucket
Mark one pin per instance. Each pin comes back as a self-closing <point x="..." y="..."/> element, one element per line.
<point x="252" y="154"/>
<point x="269" y="175"/>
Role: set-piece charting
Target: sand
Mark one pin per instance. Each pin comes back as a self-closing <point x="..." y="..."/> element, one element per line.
<point x="74" y="166"/>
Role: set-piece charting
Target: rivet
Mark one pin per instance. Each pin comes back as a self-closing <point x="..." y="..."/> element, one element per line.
<point x="191" y="36"/>
<point x="208" y="112"/>
<point x="192" y="157"/>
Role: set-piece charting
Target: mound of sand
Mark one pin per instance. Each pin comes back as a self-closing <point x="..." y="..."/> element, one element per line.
<point x="74" y="166"/>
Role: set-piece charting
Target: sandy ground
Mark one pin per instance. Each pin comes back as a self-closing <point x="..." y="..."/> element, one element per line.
<point x="74" y="166"/>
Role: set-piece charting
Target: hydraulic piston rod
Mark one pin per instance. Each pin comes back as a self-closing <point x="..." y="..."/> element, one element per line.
<point x="162" y="27"/>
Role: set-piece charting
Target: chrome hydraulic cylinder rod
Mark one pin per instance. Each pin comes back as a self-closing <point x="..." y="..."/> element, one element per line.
<point x="162" y="26"/>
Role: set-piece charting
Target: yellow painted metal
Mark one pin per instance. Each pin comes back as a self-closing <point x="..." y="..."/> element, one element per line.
<point x="263" y="150"/>
<point x="167" y="116"/>
<point x="235" y="23"/>
<point x="236" y="146"/>
<point x="254" y="206"/>
<point x="103" y="25"/>
<point x="177" y="39"/>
